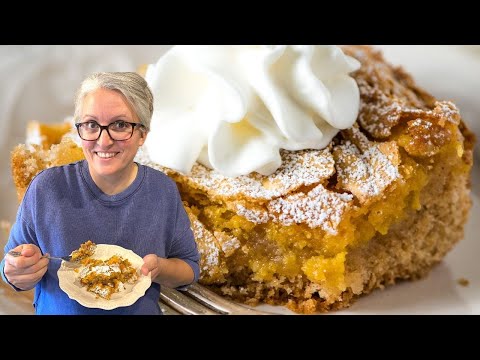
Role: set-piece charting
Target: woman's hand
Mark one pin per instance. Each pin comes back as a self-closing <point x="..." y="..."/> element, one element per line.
<point x="25" y="271"/>
<point x="171" y="272"/>
<point x="150" y="264"/>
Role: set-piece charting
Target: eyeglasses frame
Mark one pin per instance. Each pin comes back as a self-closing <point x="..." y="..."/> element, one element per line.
<point x="105" y="127"/>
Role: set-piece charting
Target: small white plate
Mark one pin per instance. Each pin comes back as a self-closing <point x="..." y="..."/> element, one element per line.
<point x="68" y="277"/>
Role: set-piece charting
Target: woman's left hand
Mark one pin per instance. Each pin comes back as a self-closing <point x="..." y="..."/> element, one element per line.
<point x="150" y="264"/>
<point x="169" y="272"/>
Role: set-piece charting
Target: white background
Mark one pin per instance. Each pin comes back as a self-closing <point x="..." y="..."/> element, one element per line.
<point x="39" y="83"/>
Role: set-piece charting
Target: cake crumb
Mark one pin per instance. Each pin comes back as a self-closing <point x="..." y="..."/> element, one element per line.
<point x="463" y="282"/>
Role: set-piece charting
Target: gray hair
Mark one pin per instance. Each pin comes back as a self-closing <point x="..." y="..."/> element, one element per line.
<point x="130" y="84"/>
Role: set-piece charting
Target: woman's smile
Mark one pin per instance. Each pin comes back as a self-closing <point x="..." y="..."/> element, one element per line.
<point x="105" y="155"/>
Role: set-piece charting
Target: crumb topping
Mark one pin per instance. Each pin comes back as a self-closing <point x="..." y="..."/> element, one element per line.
<point x="106" y="277"/>
<point x="85" y="250"/>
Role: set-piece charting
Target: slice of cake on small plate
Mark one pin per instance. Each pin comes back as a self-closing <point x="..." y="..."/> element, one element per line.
<point x="107" y="279"/>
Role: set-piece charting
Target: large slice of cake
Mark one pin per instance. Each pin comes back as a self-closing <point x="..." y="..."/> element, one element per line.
<point x="386" y="199"/>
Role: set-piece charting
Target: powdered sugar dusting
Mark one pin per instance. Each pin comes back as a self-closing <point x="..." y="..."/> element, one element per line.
<point x="302" y="168"/>
<point x="367" y="174"/>
<point x="212" y="249"/>
<point x="299" y="168"/>
<point x="379" y="116"/>
<point x="256" y="216"/>
<point x="104" y="292"/>
<point x="446" y="110"/>
<point x="318" y="208"/>
<point x="209" y="250"/>
<point x="228" y="243"/>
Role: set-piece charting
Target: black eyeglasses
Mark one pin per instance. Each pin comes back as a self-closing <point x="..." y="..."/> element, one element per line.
<point x="118" y="130"/>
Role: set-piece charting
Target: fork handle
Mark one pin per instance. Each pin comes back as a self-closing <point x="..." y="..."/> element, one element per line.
<point x="19" y="253"/>
<point x="15" y="253"/>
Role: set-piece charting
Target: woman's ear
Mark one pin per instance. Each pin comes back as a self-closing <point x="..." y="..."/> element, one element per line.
<point x="143" y="137"/>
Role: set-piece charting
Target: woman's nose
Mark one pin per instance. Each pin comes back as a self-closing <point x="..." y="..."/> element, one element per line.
<point x="104" y="138"/>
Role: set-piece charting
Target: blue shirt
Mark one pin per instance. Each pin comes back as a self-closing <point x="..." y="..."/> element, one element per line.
<point x="63" y="208"/>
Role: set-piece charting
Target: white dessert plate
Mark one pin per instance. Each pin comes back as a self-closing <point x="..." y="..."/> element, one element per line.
<point x="68" y="277"/>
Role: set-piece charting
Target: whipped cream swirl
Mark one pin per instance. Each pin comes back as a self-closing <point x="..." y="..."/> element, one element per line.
<point x="232" y="108"/>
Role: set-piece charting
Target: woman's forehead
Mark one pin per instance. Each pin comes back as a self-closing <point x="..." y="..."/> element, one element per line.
<point x="106" y="103"/>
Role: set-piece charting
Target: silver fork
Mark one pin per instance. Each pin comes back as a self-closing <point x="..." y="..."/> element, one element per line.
<point x="198" y="300"/>
<point x="64" y="258"/>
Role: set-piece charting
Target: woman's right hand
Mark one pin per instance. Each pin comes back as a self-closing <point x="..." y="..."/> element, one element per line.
<point x="25" y="271"/>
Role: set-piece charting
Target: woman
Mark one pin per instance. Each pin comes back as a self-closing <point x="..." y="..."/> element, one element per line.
<point x="108" y="199"/>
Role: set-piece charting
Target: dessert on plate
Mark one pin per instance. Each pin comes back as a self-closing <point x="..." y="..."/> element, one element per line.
<point x="103" y="277"/>
<point x="107" y="277"/>
<point x="312" y="175"/>
<point x="85" y="250"/>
